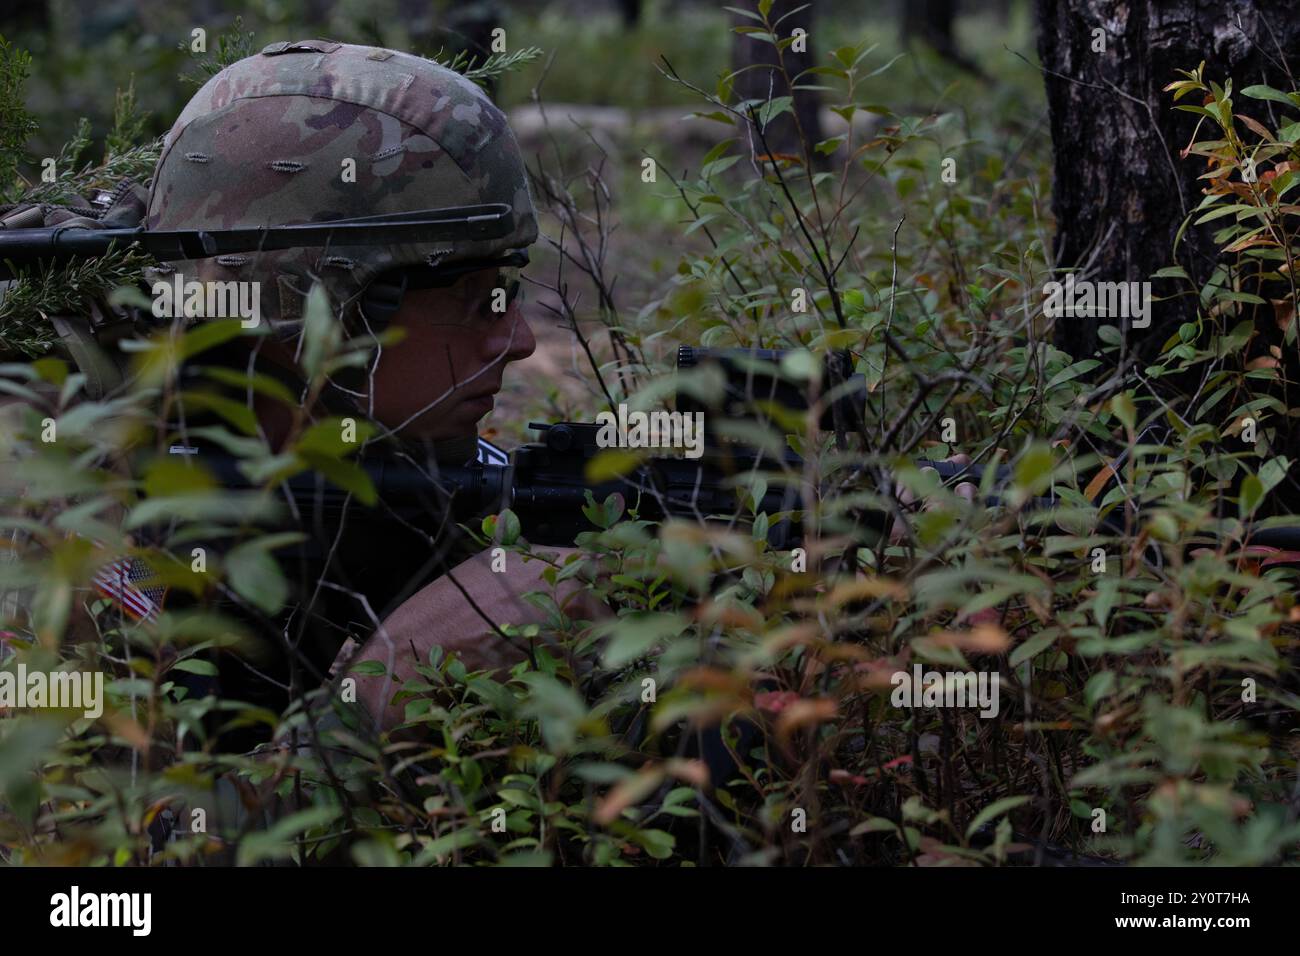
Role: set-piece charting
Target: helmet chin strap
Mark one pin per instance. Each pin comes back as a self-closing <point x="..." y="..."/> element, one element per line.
<point x="455" y="451"/>
<point x="450" y="451"/>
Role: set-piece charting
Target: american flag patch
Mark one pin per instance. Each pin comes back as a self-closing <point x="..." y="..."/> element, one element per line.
<point x="116" y="582"/>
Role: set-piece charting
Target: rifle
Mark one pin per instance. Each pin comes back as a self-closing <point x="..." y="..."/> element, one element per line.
<point x="22" y="249"/>
<point x="546" y="482"/>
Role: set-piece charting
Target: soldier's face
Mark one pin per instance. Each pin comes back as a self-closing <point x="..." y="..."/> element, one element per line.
<point x="439" y="381"/>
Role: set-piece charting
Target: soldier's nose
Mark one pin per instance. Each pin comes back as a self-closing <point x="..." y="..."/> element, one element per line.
<point x="511" y="337"/>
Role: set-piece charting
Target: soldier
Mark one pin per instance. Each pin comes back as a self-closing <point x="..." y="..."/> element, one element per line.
<point x="321" y="131"/>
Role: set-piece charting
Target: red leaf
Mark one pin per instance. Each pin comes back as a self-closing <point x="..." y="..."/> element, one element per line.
<point x="775" y="701"/>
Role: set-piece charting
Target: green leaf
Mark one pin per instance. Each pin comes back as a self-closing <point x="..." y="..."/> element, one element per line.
<point x="800" y="365"/>
<point x="1247" y="297"/>
<point x="612" y="509"/>
<point x="717" y="152"/>
<point x="774" y="107"/>
<point x="744" y="13"/>
<point x="558" y="707"/>
<point x="1099" y="685"/>
<point x="1036" y="644"/>
<point x="237" y="445"/>
<point x="347" y="475"/>
<point x="613" y="463"/>
<point x="196" y="665"/>
<point x="236" y="413"/>
<point x="1272" y="472"/>
<point x="1073" y="371"/>
<point x="1221" y="211"/>
<point x="601" y="773"/>
<point x="446" y="845"/>
<point x="1261" y="92"/>
<point x="52" y="370"/>
<point x="1106" y="599"/>
<point x="874" y="825"/>
<point x="1124" y="409"/>
<point x="259" y="382"/>
<point x="1252" y="493"/>
<point x="509" y="525"/>
<point x="234" y="507"/>
<point x="256" y="576"/>
<point x="321" y="333"/>
<point x="1034" y="470"/>
<point x="720" y="166"/>
<point x="993" y="811"/>
<point x="327" y="436"/>
<point x="131" y="295"/>
<point x="24" y="748"/>
<point x="176" y="475"/>
<point x="277" y="842"/>
<point x="632" y="635"/>
<point x="658" y="843"/>
<point x="208" y="334"/>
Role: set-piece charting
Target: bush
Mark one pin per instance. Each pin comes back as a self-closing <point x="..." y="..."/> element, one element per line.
<point x="1140" y="649"/>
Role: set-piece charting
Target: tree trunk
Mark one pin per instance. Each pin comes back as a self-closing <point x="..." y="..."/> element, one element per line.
<point x="931" y="23"/>
<point x="762" y="80"/>
<point x="1120" y="189"/>
<point x="630" y="11"/>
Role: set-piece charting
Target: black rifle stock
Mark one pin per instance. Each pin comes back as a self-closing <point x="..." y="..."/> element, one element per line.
<point x="547" y="487"/>
<point x="45" y="246"/>
<point x="546" y="483"/>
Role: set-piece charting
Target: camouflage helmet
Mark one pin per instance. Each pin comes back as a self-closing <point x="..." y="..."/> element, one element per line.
<point x="313" y="130"/>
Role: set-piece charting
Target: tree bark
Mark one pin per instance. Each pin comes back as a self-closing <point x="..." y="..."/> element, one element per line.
<point x="931" y="22"/>
<point x="1120" y="189"/>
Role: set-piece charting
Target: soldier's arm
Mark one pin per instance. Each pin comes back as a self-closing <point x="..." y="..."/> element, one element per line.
<point x="453" y="617"/>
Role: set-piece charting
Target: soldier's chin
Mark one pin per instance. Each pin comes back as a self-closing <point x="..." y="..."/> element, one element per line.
<point x="446" y="423"/>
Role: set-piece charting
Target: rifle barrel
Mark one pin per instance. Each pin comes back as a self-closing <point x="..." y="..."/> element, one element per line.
<point x="24" y="248"/>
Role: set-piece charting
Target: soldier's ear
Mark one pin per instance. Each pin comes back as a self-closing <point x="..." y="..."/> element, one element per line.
<point x="382" y="299"/>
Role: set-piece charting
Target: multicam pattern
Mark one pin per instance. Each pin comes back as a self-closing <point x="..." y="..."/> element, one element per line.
<point x="266" y="140"/>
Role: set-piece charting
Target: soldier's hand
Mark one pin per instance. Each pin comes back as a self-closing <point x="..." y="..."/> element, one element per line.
<point x="907" y="497"/>
<point x="457" y="612"/>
